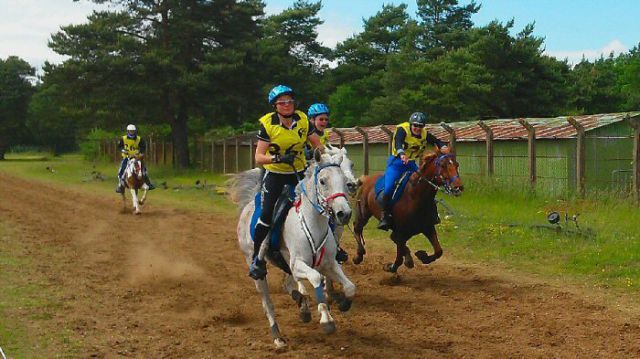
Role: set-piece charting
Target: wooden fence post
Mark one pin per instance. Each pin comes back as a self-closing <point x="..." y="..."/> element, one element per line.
<point x="365" y="148"/>
<point x="202" y="153"/>
<point x="531" y="136"/>
<point x="340" y="134"/>
<point x="489" y="135"/>
<point x="635" y="124"/>
<point x="213" y="156"/>
<point x="389" y="134"/>
<point x="252" y="157"/>
<point x="115" y="151"/>
<point x="452" y="136"/>
<point x="224" y="155"/>
<point x="580" y="155"/>
<point x="237" y="155"/>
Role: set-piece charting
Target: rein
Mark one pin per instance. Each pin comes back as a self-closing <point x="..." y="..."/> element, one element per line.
<point x="438" y="177"/>
<point x="322" y="207"/>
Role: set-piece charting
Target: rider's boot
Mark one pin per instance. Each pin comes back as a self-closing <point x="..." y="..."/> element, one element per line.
<point x="148" y="182"/>
<point x="258" y="267"/>
<point x="387" y="221"/>
<point x="120" y="188"/>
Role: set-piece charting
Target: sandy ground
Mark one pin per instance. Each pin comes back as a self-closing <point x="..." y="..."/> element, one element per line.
<point x="173" y="284"/>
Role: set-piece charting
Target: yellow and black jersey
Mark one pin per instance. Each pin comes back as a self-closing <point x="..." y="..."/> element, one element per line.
<point x="133" y="146"/>
<point x="283" y="140"/>
<point x="405" y="141"/>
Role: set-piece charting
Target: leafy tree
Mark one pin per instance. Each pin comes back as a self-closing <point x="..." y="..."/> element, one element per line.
<point x="445" y="25"/>
<point x="629" y="79"/>
<point x="594" y="86"/>
<point x="48" y="122"/>
<point x="15" y="93"/>
<point x="157" y="61"/>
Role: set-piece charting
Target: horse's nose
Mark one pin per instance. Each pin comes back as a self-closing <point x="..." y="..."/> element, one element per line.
<point x="343" y="217"/>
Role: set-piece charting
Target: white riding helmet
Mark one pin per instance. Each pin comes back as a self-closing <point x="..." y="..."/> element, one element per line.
<point x="131" y="128"/>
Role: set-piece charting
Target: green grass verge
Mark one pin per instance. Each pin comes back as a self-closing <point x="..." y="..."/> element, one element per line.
<point x="509" y="228"/>
<point x="100" y="177"/>
<point x="26" y="304"/>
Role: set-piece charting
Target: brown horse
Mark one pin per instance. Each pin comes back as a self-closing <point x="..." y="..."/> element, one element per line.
<point x="134" y="180"/>
<point x="415" y="212"/>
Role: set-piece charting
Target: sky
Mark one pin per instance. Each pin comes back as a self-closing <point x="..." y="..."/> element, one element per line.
<point x="571" y="28"/>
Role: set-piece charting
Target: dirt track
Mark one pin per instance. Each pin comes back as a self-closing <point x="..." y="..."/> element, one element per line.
<point x="172" y="284"/>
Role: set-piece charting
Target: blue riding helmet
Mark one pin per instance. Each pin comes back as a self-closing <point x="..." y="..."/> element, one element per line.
<point x="279" y="91"/>
<point x="318" y="109"/>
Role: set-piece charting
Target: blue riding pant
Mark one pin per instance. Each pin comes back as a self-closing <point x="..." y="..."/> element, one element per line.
<point x="395" y="170"/>
<point x="123" y="166"/>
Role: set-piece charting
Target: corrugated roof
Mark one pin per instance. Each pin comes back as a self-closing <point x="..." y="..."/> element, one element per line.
<point x="503" y="129"/>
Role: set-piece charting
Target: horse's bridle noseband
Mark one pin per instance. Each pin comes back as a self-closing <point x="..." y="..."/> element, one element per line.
<point x="438" y="177"/>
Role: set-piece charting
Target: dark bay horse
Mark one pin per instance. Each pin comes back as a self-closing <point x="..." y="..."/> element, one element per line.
<point x="414" y="213"/>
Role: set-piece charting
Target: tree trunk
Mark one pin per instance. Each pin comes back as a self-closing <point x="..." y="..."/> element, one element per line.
<point x="180" y="135"/>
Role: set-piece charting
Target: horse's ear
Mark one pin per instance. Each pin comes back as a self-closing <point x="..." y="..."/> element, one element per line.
<point x="317" y="155"/>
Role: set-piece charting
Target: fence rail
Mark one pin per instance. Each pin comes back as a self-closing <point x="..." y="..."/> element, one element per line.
<point x="582" y="165"/>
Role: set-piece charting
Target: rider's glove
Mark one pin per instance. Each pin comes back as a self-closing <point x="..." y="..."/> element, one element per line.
<point x="288" y="158"/>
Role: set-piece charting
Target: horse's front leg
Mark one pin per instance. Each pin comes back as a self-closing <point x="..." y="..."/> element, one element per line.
<point x="335" y="273"/>
<point x="298" y="292"/>
<point x="136" y="204"/>
<point x="144" y="195"/>
<point x="401" y="245"/>
<point x="431" y="234"/>
<point x="301" y="270"/>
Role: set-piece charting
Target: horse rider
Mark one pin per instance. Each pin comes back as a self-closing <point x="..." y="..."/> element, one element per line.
<point x="318" y="114"/>
<point x="410" y="140"/>
<point x="280" y="149"/>
<point x="132" y="145"/>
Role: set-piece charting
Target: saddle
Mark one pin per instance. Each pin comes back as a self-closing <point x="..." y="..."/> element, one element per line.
<point x="398" y="188"/>
<point x="283" y="204"/>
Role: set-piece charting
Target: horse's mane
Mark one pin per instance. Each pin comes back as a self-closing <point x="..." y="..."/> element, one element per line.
<point x="242" y="187"/>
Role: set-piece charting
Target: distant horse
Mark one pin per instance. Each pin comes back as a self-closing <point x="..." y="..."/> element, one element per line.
<point x="308" y="245"/>
<point x="134" y="180"/>
<point x="415" y="212"/>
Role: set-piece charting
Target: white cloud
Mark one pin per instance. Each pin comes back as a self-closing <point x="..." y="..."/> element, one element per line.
<point x="27" y="25"/>
<point x="616" y="46"/>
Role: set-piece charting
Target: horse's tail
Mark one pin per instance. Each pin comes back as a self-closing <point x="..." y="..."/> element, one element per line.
<point x="242" y="187"/>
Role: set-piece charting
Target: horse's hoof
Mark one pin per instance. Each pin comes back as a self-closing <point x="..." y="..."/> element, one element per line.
<point x="358" y="259"/>
<point x="305" y="316"/>
<point x="424" y="257"/>
<point x="280" y="343"/>
<point x="329" y="327"/>
<point x="390" y="268"/>
<point x="345" y="305"/>
<point x="408" y="263"/>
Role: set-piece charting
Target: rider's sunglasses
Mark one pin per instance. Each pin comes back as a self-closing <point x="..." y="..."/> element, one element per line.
<point x="324" y="119"/>
<point x="285" y="102"/>
<point x="418" y="125"/>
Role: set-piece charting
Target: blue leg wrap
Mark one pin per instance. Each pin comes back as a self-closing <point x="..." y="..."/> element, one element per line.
<point x="320" y="295"/>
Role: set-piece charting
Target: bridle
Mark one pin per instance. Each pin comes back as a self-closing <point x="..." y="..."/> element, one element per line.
<point x="438" y="177"/>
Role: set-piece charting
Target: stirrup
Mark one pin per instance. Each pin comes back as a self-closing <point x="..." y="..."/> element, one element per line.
<point x="385" y="223"/>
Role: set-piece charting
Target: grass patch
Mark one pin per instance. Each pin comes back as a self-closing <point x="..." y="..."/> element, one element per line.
<point x="26" y="305"/>
<point x="100" y="177"/>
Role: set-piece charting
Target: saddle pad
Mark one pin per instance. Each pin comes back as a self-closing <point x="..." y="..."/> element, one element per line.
<point x="398" y="188"/>
<point x="283" y="204"/>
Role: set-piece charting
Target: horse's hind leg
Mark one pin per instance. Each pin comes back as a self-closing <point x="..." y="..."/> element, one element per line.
<point x="431" y="234"/>
<point x="263" y="288"/>
<point x="362" y="217"/>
